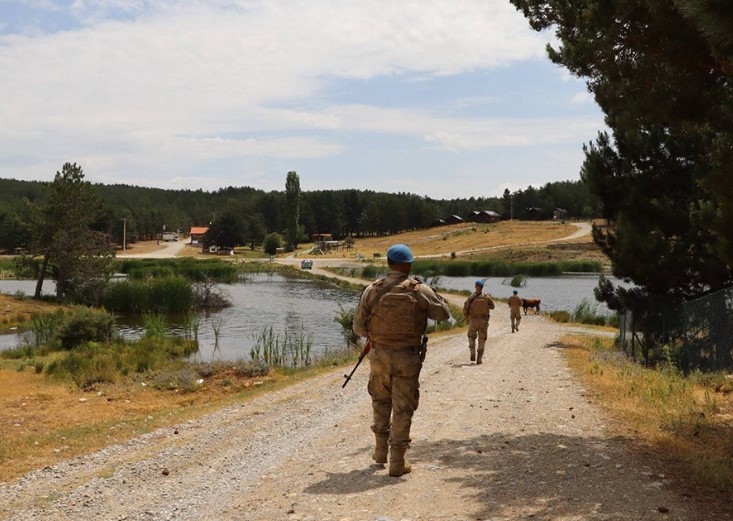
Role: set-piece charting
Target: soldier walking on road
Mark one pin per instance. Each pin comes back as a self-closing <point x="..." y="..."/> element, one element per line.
<point x="477" y="309"/>
<point x="392" y="312"/>
<point x="515" y="304"/>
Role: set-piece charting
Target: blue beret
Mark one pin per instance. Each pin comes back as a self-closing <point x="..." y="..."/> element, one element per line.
<point x="480" y="283"/>
<point x="399" y="253"/>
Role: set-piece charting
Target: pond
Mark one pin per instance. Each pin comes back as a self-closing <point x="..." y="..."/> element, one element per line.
<point x="298" y="307"/>
<point x="557" y="293"/>
<point x="304" y="307"/>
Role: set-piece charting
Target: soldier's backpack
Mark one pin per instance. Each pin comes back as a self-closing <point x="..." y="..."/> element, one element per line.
<point x="480" y="306"/>
<point x="396" y="313"/>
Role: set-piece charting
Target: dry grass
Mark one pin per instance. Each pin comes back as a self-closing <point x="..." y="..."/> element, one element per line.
<point x="467" y="238"/>
<point x="44" y="421"/>
<point x="689" y="419"/>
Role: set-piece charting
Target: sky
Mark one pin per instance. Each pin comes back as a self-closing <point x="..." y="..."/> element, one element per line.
<point x="441" y="98"/>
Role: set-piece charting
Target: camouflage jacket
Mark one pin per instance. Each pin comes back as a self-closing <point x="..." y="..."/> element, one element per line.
<point x="478" y="305"/>
<point x="393" y="311"/>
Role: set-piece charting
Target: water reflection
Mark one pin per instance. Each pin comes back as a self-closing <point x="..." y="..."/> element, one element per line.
<point x="289" y="305"/>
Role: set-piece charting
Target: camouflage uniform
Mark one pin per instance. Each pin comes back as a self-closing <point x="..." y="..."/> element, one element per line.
<point x="477" y="309"/>
<point x="395" y="325"/>
<point x="515" y="315"/>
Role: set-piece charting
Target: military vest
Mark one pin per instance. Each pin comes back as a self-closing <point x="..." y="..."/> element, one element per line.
<point x="396" y="315"/>
<point x="479" y="307"/>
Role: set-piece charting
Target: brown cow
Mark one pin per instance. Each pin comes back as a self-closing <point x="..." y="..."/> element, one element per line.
<point x="531" y="303"/>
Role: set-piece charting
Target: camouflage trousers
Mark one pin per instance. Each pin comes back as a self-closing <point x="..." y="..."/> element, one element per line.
<point x="395" y="390"/>
<point x="477" y="327"/>
<point x="516" y="317"/>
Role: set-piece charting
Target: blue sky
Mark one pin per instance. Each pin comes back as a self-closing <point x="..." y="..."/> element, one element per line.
<point x="439" y="98"/>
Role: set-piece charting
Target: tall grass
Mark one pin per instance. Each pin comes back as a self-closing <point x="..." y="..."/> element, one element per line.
<point x="163" y="295"/>
<point x="502" y="269"/>
<point x="286" y="351"/>
<point x="188" y="268"/>
<point x="44" y="327"/>
<point x="586" y="312"/>
<point x="154" y="325"/>
<point x="374" y="272"/>
<point x="191" y="325"/>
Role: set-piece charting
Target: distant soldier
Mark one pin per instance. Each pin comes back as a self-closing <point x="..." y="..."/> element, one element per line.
<point x="393" y="313"/>
<point x="515" y="304"/>
<point x="477" y="309"/>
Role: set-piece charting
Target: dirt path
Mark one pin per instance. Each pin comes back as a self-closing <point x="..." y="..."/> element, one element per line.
<point x="166" y="250"/>
<point x="513" y="439"/>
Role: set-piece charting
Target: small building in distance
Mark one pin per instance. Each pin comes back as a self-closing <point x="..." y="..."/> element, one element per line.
<point x="560" y="214"/>
<point x="484" y="216"/>
<point x="534" y="214"/>
<point x="198" y="234"/>
<point x="453" y="219"/>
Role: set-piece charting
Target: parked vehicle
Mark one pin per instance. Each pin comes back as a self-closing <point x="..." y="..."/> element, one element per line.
<point x="306" y="264"/>
<point x="170" y="236"/>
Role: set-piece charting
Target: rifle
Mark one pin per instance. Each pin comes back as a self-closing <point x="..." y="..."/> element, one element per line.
<point x="423" y="348"/>
<point x="367" y="347"/>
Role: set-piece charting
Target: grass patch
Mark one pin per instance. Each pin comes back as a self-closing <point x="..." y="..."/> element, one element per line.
<point x="187" y="267"/>
<point x="689" y="418"/>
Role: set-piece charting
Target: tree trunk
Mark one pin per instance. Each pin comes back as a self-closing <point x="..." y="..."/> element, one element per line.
<point x="41" y="275"/>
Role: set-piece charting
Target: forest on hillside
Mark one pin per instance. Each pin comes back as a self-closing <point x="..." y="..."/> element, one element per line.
<point x="143" y="213"/>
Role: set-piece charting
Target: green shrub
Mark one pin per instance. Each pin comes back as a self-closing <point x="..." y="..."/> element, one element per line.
<point x="85" y="325"/>
<point x="345" y="318"/>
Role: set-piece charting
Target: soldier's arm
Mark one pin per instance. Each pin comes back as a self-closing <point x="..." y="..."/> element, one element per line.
<point x="437" y="306"/>
<point x="491" y="303"/>
<point x="359" y="324"/>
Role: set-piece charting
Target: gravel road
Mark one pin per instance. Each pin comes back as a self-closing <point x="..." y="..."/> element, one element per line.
<point x="513" y="439"/>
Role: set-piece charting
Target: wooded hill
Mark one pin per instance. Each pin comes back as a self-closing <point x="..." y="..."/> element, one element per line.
<point x="144" y="212"/>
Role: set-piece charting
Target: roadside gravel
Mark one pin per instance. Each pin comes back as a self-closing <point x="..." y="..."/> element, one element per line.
<point x="515" y="438"/>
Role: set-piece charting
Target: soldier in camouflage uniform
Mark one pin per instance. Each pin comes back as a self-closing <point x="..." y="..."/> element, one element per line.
<point x="515" y="315"/>
<point x="476" y="309"/>
<point x="392" y="312"/>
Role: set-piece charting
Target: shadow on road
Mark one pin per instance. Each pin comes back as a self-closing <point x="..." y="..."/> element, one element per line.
<point x="541" y="476"/>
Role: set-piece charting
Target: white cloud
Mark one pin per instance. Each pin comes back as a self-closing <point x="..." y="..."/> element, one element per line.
<point x="172" y="86"/>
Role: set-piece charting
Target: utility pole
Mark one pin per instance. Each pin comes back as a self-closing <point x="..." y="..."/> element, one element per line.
<point x="511" y="207"/>
<point x="124" y="233"/>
